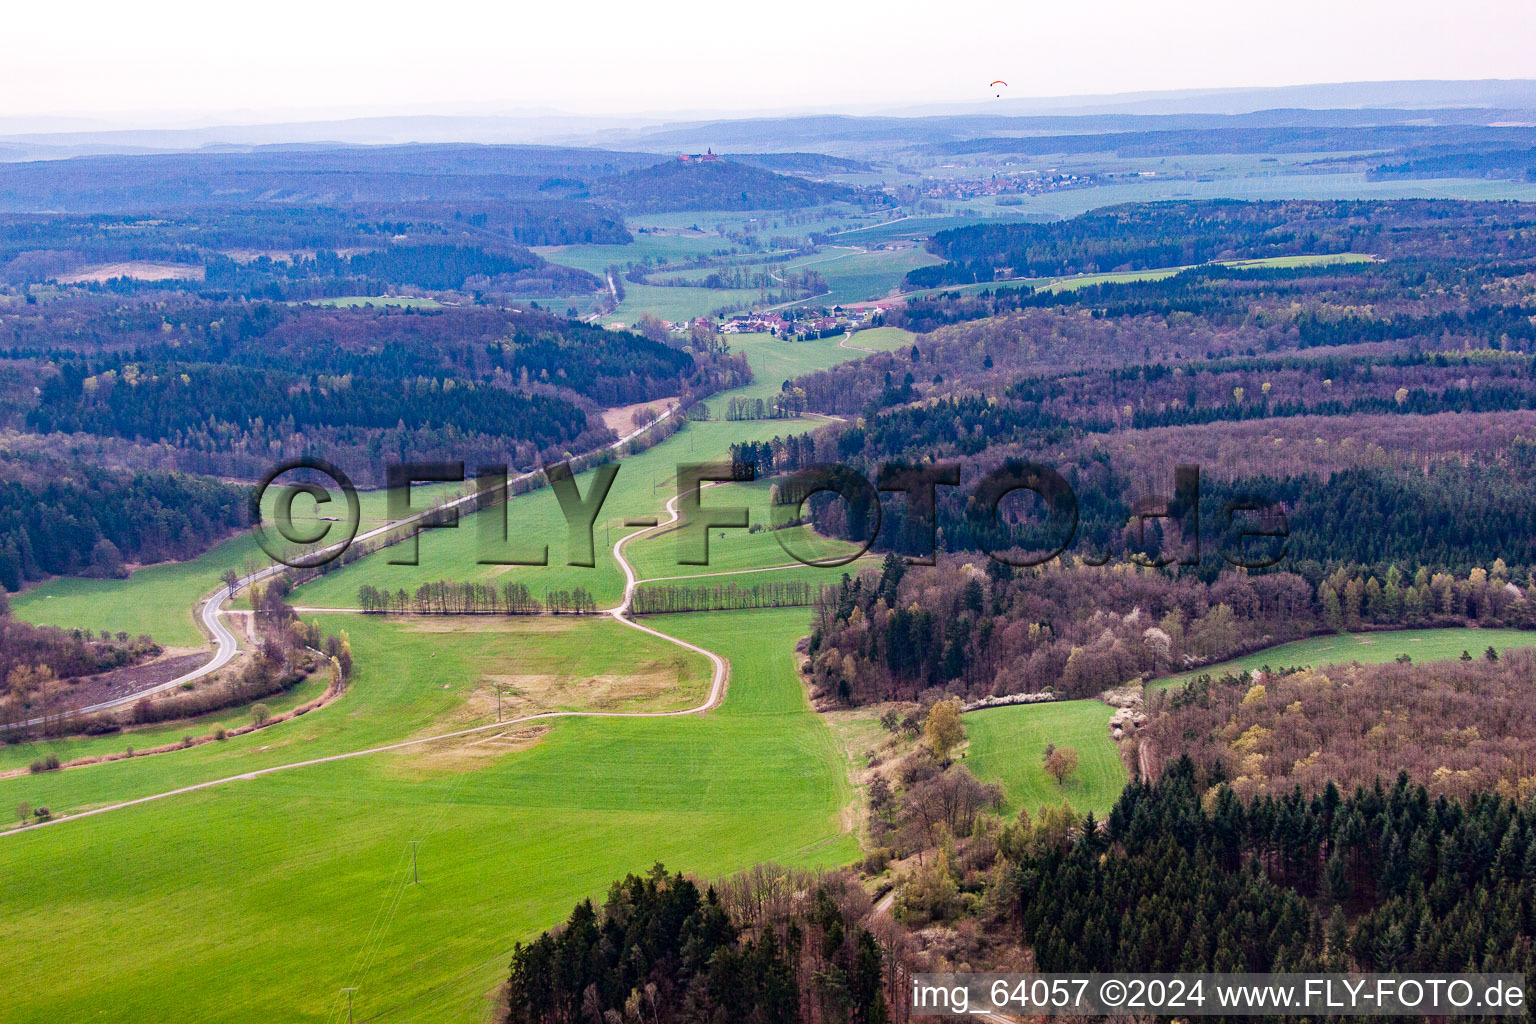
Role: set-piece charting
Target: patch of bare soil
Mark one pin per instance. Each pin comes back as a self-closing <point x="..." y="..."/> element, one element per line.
<point x="635" y="690"/>
<point x="131" y="679"/>
<point x="467" y="753"/>
<point x="138" y="270"/>
<point x="621" y="420"/>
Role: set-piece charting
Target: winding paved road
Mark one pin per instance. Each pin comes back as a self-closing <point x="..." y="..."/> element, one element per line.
<point x="226" y="646"/>
<point x="211" y="609"/>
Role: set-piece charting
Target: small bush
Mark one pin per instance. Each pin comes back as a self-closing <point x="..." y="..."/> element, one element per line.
<point x="877" y="860"/>
<point x="220" y="734"/>
<point x="45" y="764"/>
<point x="42" y="814"/>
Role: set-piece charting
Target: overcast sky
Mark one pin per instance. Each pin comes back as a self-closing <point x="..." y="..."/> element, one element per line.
<point x="169" y="61"/>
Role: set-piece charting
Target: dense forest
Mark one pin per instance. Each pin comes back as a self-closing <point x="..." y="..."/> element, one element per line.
<point x="75" y="520"/>
<point x="198" y="405"/>
<point x="1186" y="876"/>
<point x="661" y="949"/>
<point x="721" y="184"/>
<point x="169" y="383"/>
<point x="1455" y="728"/>
<point x="1178" y="234"/>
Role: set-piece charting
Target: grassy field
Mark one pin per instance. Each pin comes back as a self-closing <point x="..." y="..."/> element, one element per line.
<point x="677" y="304"/>
<point x="1367" y="648"/>
<point x="857" y="276"/>
<point x="774" y="361"/>
<point x="425" y="675"/>
<point x="157" y="599"/>
<point x="19" y="755"/>
<point x="286" y="888"/>
<point x="883" y="339"/>
<point x="350" y="301"/>
<point x="643" y="485"/>
<point x="160" y="599"/>
<point x="1008" y="747"/>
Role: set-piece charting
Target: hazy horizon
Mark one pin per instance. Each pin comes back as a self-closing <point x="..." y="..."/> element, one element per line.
<point x="170" y="64"/>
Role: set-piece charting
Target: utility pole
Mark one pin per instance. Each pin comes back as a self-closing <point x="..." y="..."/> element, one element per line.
<point x="415" y="845"/>
<point x="349" y="992"/>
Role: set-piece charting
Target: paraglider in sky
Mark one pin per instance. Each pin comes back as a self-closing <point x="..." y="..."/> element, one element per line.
<point x="998" y="82"/>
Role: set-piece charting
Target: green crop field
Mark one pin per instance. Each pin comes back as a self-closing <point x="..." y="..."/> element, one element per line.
<point x="1366" y="648"/>
<point x="678" y="304"/>
<point x="732" y="550"/>
<point x="288" y="887"/>
<point x="453" y="661"/>
<point x="1007" y="746"/>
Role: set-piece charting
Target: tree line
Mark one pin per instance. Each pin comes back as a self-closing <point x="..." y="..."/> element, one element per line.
<point x="447" y="597"/>
<point x="653" y="598"/>
<point x="983" y="629"/>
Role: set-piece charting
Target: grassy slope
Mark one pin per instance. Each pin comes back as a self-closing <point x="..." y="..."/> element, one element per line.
<point x="268" y="887"/>
<point x="774" y="361"/>
<point x="643" y="484"/>
<point x="157" y="600"/>
<point x="1367" y="648"/>
<point x="884" y="339"/>
<point x="415" y="680"/>
<point x="1008" y="747"/>
<point x="160" y="599"/>
<point x="854" y="276"/>
<point x="732" y="550"/>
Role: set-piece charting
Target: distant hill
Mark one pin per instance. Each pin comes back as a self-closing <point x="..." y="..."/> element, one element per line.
<point x="801" y="163"/>
<point x="718" y="185"/>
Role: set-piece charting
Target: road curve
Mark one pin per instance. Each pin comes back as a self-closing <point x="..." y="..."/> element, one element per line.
<point x="717" y="689"/>
<point x="226" y="646"/>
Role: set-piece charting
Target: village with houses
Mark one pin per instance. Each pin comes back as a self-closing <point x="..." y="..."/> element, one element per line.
<point x="795" y="324"/>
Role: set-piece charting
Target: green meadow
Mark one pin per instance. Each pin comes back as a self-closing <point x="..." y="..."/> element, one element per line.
<point x="1007" y="746"/>
<point x="160" y="599"/>
<point x="858" y="275"/>
<point x="290" y="886"/>
<point x="642" y="486"/>
<point x="534" y="520"/>
<point x="774" y="361"/>
<point x="416" y="676"/>
<point x="883" y="339"/>
<point x="1365" y="648"/>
